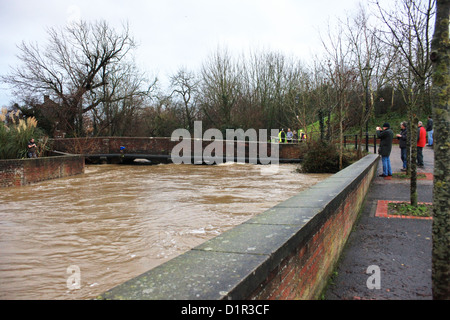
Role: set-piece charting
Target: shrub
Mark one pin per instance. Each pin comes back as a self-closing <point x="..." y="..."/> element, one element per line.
<point x="15" y="134"/>
<point x="323" y="157"/>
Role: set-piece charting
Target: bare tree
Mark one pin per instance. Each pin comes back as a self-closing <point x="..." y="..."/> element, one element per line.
<point x="322" y="98"/>
<point x="220" y="88"/>
<point x="185" y="85"/>
<point x="372" y="59"/>
<point x="299" y="98"/>
<point x="70" y="66"/>
<point x="124" y="92"/>
<point x="266" y="75"/>
<point x="342" y="76"/>
<point x="409" y="30"/>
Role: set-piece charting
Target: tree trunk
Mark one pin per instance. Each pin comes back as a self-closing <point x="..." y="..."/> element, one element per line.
<point x="413" y="142"/>
<point x="441" y="194"/>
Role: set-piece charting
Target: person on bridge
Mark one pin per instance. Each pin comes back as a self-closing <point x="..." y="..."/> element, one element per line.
<point x="289" y="135"/>
<point x="282" y="136"/>
<point x="386" y="136"/>
<point x="301" y="135"/>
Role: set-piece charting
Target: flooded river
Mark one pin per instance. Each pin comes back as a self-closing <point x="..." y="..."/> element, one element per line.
<point x="116" y="222"/>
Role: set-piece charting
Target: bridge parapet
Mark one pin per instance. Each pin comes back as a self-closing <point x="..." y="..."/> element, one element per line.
<point x="160" y="148"/>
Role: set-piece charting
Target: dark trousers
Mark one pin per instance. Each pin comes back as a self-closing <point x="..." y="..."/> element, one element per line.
<point x="404" y="157"/>
<point x="420" y="156"/>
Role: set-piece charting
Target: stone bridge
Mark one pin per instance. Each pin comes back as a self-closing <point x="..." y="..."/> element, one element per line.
<point x="160" y="150"/>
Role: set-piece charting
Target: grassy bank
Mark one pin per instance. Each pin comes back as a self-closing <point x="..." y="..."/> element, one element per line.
<point x="393" y="118"/>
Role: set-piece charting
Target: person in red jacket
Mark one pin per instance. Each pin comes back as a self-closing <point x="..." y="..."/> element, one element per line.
<point x="421" y="142"/>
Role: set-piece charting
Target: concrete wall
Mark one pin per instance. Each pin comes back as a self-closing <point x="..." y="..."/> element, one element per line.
<point x="286" y="252"/>
<point x="19" y="172"/>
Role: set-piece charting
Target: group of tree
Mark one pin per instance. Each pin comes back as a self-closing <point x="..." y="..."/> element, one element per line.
<point x="88" y="72"/>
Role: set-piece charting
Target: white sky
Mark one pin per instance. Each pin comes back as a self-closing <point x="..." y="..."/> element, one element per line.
<point x="176" y="33"/>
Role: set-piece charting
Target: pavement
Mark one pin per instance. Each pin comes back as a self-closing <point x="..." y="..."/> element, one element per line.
<point x="388" y="258"/>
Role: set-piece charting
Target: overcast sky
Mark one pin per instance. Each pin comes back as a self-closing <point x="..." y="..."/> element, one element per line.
<point x="176" y="33"/>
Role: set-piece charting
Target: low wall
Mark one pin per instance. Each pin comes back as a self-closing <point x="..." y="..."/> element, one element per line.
<point x="20" y="172"/>
<point x="286" y="252"/>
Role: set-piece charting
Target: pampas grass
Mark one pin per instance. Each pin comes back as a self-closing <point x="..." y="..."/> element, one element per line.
<point x="15" y="134"/>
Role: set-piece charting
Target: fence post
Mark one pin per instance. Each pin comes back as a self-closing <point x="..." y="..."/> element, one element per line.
<point x="374" y="144"/>
<point x="367" y="142"/>
<point x="356" y="141"/>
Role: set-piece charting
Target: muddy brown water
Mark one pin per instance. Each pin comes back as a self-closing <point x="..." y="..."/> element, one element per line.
<point x="115" y="222"/>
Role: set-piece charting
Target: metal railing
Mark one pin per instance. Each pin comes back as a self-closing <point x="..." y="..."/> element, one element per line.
<point x="366" y="144"/>
<point x="367" y="141"/>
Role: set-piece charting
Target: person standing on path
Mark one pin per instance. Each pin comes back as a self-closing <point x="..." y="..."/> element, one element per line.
<point x="386" y="136"/>
<point x="402" y="143"/>
<point x="430" y="131"/>
<point x="421" y="142"/>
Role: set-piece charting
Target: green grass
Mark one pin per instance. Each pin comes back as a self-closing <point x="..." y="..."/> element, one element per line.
<point x="403" y="175"/>
<point x="393" y="118"/>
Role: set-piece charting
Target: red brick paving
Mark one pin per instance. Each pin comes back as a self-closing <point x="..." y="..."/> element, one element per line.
<point x="382" y="211"/>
